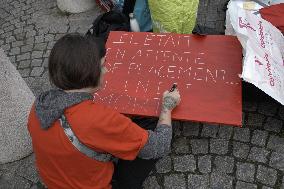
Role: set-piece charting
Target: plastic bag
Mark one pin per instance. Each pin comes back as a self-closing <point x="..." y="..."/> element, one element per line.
<point x="177" y="16"/>
<point x="263" y="44"/>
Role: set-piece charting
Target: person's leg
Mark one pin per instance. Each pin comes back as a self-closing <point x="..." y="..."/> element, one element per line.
<point x="128" y="7"/>
<point x="131" y="174"/>
<point x="146" y="123"/>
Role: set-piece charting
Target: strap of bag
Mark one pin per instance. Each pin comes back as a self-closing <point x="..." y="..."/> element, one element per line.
<point x="103" y="157"/>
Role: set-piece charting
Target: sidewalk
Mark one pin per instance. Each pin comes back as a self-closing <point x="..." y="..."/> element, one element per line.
<point x="203" y="155"/>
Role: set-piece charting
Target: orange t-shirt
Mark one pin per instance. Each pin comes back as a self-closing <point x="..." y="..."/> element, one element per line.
<point x="61" y="165"/>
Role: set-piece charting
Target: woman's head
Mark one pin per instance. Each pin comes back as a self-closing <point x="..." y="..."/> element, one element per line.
<point x="75" y="62"/>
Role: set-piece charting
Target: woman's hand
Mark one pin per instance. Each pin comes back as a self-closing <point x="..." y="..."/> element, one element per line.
<point x="170" y="100"/>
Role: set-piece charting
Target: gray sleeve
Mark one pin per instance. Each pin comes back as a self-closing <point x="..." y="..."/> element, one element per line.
<point x="158" y="144"/>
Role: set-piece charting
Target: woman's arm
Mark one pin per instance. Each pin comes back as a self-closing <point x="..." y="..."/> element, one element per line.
<point x="170" y="101"/>
<point x="159" y="140"/>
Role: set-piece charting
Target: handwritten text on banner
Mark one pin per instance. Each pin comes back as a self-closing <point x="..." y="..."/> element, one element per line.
<point x="141" y="66"/>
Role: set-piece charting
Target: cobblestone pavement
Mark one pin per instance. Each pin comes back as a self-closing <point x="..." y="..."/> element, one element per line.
<point x="203" y="155"/>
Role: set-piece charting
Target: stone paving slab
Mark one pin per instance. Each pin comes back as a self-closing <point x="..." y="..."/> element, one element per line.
<point x="203" y="156"/>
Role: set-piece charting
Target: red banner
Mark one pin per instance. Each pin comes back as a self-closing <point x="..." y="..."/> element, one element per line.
<point x="141" y="66"/>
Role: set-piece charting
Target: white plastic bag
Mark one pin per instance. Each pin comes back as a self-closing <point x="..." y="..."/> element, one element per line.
<point x="263" y="45"/>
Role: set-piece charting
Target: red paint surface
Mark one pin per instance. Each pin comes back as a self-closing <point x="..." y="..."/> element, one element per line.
<point x="274" y="14"/>
<point x="143" y="65"/>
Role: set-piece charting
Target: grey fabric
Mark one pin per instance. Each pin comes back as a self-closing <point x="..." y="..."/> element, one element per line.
<point x="50" y="105"/>
<point x="104" y="157"/>
<point x="158" y="144"/>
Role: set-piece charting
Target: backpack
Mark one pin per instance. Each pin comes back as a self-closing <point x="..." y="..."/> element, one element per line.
<point x="140" y="8"/>
<point x="124" y="6"/>
<point x="109" y="21"/>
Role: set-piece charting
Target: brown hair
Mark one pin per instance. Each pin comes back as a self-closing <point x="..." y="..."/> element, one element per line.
<point x="75" y="62"/>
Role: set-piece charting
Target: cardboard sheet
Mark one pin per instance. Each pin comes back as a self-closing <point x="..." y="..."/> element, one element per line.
<point x="141" y="66"/>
